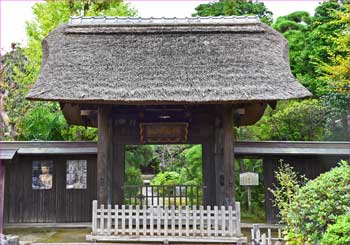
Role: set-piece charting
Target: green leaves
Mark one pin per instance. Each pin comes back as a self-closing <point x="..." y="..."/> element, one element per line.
<point x="42" y="122"/>
<point x="235" y="7"/>
<point x="22" y="66"/>
<point x="309" y="210"/>
<point x="292" y="120"/>
<point x="139" y="155"/>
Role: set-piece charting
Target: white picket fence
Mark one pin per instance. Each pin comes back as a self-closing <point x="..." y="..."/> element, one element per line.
<point x="262" y="238"/>
<point x="166" y="224"/>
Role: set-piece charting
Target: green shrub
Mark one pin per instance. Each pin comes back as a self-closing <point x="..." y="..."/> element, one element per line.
<point x="338" y="233"/>
<point x="169" y="178"/>
<point x="166" y="178"/>
<point x="133" y="176"/>
<point x="316" y="205"/>
<point x="289" y="185"/>
<point x="320" y="201"/>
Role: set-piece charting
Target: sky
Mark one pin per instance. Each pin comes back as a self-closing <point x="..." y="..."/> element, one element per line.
<point x="14" y="13"/>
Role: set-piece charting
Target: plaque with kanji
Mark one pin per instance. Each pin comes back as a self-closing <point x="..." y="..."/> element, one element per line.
<point x="163" y="133"/>
<point x="249" y="179"/>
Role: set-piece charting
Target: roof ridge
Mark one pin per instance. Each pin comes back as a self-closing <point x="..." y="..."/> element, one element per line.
<point x="122" y="20"/>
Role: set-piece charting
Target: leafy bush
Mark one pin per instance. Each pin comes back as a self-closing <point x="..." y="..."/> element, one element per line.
<point x="133" y="178"/>
<point x="288" y="186"/>
<point x="191" y="172"/>
<point x="320" y="201"/>
<point x="338" y="233"/>
<point x="43" y="122"/>
<point x="139" y="155"/>
<point x="166" y="178"/>
<point x="309" y="210"/>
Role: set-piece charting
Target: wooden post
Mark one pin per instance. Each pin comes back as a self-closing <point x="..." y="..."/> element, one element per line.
<point x="222" y="151"/>
<point x="106" y="155"/>
<point x="2" y="194"/>
<point x="208" y="172"/>
<point x="228" y="158"/>
<point x="118" y="174"/>
<point x="218" y="151"/>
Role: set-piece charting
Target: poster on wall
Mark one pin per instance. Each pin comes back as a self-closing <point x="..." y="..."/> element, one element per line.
<point x="42" y="175"/>
<point x="76" y="174"/>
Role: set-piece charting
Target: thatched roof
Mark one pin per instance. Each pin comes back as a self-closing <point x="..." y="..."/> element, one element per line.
<point x="165" y="61"/>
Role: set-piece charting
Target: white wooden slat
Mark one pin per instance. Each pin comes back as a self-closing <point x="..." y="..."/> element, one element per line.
<point x="144" y="220"/>
<point x="180" y="220"/>
<point x="187" y="218"/>
<point x="158" y="213"/>
<point x="279" y="233"/>
<point x="216" y="221"/>
<point x="194" y="218"/>
<point x="230" y="221"/>
<point x="151" y="221"/>
<point x="116" y="221"/>
<point x="109" y="219"/>
<point x="252" y="235"/>
<point x="123" y="219"/>
<point x="166" y="217"/>
<point x="223" y="221"/>
<point x="263" y="238"/>
<point x="269" y="241"/>
<point x="102" y="222"/>
<point x="208" y="221"/>
<point x="238" y="219"/>
<point x="173" y="220"/>
<point x="201" y="210"/>
<point x="94" y="217"/>
<point x="137" y="220"/>
<point x="130" y="220"/>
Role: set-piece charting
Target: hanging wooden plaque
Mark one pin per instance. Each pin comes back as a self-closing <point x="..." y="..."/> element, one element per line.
<point x="163" y="133"/>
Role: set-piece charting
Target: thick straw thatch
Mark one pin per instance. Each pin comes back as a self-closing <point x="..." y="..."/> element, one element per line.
<point x="140" y="61"/>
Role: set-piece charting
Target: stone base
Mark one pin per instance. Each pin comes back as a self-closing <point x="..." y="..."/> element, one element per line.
<point x="8" y="239"/>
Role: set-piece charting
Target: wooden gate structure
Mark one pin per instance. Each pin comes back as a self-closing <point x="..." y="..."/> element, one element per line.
<point x="165" y="81"/>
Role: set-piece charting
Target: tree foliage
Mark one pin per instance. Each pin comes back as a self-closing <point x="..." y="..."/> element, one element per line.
<point x="139" y="155"/>
<point x="293" y="120"/>
<point x="319" y="58"/>
<point x="22" y="67"/>
<point x="235" y="7"/>
<point x="310" y="41"/>
<point x="336" y="74"/>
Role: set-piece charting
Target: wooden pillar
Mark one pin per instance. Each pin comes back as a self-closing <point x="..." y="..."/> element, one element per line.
<point x="218" y="151"/>
<point x="208" y="172"/>
<point x="118" y="174"/>
<point x="222" y="150"/>
<point x="2" y="194"/>
<point x="228" y="157"/>
<point x="105" y="155"/>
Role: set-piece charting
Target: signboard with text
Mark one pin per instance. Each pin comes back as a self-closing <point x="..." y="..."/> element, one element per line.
<point x="249" y="179"/>
<point x="165" y="133"/>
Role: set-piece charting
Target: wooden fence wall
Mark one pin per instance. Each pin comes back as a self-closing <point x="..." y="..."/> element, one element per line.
<point x="23" y="204"/>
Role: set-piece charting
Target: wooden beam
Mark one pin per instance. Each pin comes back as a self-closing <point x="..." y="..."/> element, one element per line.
<point x="88" y="112"/>
<point x="2" y="195"/>
<point x="105" y="155"/>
